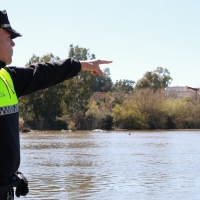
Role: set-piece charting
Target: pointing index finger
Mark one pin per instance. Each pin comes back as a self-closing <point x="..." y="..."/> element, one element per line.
<point x="105" y="61"/>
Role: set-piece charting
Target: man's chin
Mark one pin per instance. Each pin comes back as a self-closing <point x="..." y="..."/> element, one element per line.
<point x="9" y="62"/>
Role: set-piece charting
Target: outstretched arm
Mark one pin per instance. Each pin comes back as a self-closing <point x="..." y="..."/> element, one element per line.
<point x="93" y="65"/>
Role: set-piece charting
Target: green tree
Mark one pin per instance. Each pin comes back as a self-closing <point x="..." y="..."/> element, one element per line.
<point x="157" y="79"/>
<point x="124" y="85"/>
<point x="149" y="102"/>
<point x="102" y="83"/>
<point x="128" y="116"/>
<point x="71" y="97"/>
<point x="182" y="113"/>
<point x="98" y="114"/>
<point x="80" y="88"/>
<point x="39" y="106"/>
<point x="121" y="89"/>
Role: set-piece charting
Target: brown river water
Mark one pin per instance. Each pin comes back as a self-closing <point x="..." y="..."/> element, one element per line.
<point x="116" y="165"/>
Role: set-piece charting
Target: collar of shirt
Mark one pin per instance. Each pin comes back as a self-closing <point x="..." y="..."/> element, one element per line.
<point x="2" y="64"/>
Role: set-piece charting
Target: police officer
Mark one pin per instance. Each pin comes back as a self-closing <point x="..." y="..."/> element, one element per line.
<point x="16" y="82"/>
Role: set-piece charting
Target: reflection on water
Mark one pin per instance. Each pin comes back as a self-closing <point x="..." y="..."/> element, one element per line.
<point x="111" y="165"/>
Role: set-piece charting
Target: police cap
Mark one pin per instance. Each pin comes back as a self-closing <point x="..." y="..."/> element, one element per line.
<point x="5" y="24"/>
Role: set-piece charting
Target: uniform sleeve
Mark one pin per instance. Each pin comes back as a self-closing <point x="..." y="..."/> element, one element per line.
<point x="40" y="76"/>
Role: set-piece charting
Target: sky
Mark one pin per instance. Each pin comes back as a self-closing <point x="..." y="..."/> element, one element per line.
<point x="137" y="35"/>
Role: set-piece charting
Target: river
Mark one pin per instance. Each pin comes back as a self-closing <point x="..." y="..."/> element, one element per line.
<point x="115" y="165"/>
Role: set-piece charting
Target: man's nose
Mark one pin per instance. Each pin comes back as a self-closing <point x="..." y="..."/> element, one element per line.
<point x="12" y="43"/>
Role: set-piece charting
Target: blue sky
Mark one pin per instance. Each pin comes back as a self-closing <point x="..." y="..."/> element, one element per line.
<point x="138" y="35"/>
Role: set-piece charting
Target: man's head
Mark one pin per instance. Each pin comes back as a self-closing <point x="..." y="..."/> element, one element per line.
<point x="7" y="34"/>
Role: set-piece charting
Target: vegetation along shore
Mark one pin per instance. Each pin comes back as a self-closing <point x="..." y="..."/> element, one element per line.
<point x="89" y="102"/>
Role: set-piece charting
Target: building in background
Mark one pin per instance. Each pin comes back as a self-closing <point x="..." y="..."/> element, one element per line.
<point x="182" y="91"/>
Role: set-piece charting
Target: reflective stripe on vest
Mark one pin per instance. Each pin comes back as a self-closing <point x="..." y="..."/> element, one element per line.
<point x="8" y="97"/>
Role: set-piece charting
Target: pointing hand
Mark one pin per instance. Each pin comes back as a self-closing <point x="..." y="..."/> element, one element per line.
<point x="93" y="65"/>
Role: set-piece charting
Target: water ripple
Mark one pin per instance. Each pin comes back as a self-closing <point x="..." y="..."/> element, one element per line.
<point x="112" y="165"/>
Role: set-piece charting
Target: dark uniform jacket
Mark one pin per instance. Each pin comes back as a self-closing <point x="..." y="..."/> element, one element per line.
<point x="27" y="80"/>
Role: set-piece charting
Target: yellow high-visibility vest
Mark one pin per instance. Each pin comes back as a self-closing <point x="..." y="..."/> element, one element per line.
<point x="8" y="97"/>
